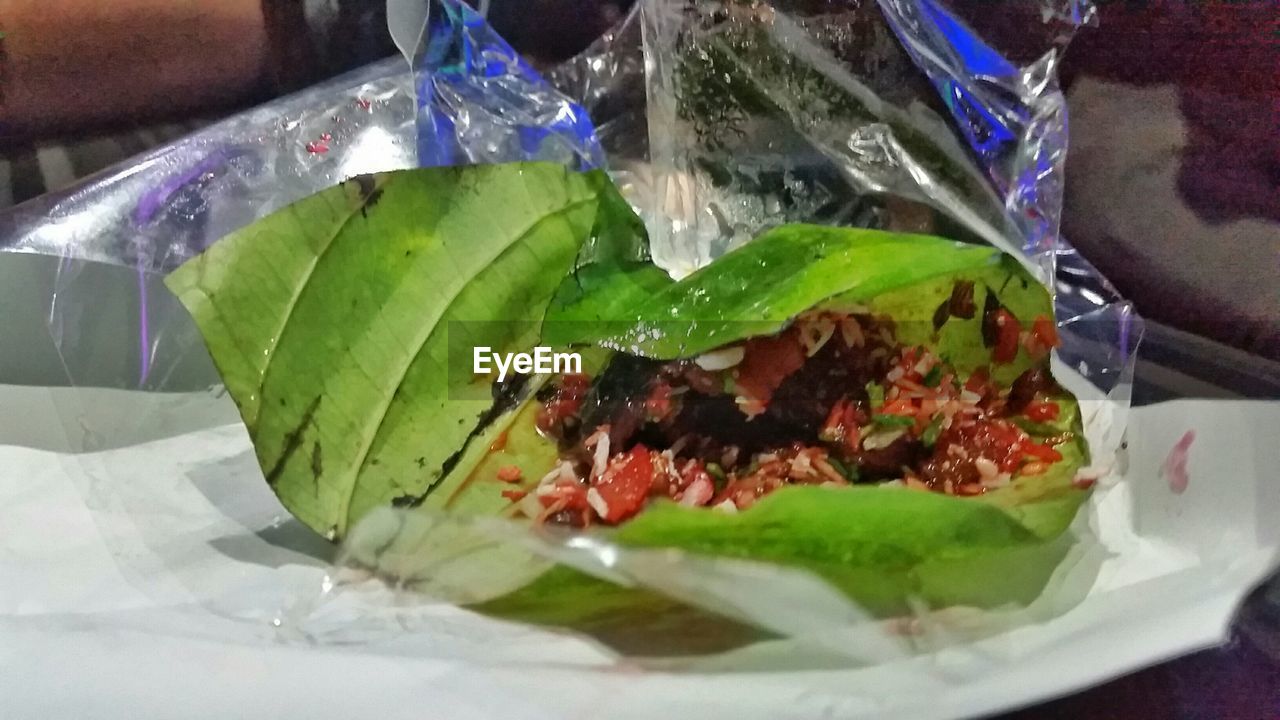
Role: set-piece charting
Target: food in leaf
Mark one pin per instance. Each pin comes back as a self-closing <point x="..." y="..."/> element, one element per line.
<point x="803" y="416"/>
<point x="792" y="402"/>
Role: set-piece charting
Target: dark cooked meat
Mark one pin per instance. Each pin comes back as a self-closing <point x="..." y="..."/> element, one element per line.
<point x="939" y="470"/>
<point x="795" y="413"/>
<point x="617" y="397"/>
<point x="719" y="419"/>
<point x="836" y="371"/>
<point x="888" y="462"/>
<point x="1025" y="387"/>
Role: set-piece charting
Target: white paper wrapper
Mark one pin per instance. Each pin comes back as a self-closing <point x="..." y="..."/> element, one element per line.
<point x="171" y="559"/>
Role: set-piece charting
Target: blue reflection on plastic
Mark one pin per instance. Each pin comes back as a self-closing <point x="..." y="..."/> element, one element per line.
<point x="978" y="57"/>
<point x="985" y="130"/>
<point x="1014" y="129"/>
<point x="480" y="102"/>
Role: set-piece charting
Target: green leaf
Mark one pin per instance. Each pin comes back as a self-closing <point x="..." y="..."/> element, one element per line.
<point x="755" y="290"/>
<point x="892" y="421"/>
<point x="843" y="534"/>
<point x="875" y="394"/>
<point x="933" y="377"/>
<point x="332" y="320"/>
<point x="632" y="620"/>
<point x="960" y="340"/>
<point x="849" y="473"/>
<point x="931" y="432"/>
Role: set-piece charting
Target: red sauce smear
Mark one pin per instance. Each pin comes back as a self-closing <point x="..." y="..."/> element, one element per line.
<point x="321" y="146"/>
<point x="1175" y="465"/>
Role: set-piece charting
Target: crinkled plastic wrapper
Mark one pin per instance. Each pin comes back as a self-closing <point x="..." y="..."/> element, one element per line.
<point x="730" y="117"/>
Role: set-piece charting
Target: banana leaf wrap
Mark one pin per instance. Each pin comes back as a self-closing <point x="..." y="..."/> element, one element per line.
<point x="332" y="323"/>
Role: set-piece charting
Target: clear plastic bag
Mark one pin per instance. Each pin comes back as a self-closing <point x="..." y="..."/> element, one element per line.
<point x="737" y="146"/>
<point x="472" y="99"/>
<point x="480" y="102"/>
<point x="116" y="234"/>
<point x="755" y="113"/>
<point x="892" y="114"/>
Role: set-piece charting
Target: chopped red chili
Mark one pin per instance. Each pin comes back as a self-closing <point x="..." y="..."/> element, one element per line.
<point x="625" y="484"/>
<point x="767" y="362"/>
<point x="1046" y="332"/>
<point x="977" y="382"/>
<point x="1041" y="452"/>
<point x="899" y="406"/>
<point x="1007" y="342"/>
<point x="1042" y="411"/>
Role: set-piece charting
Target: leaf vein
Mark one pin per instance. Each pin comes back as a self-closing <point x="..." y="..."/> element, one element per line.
<point x="367" y="442"/>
